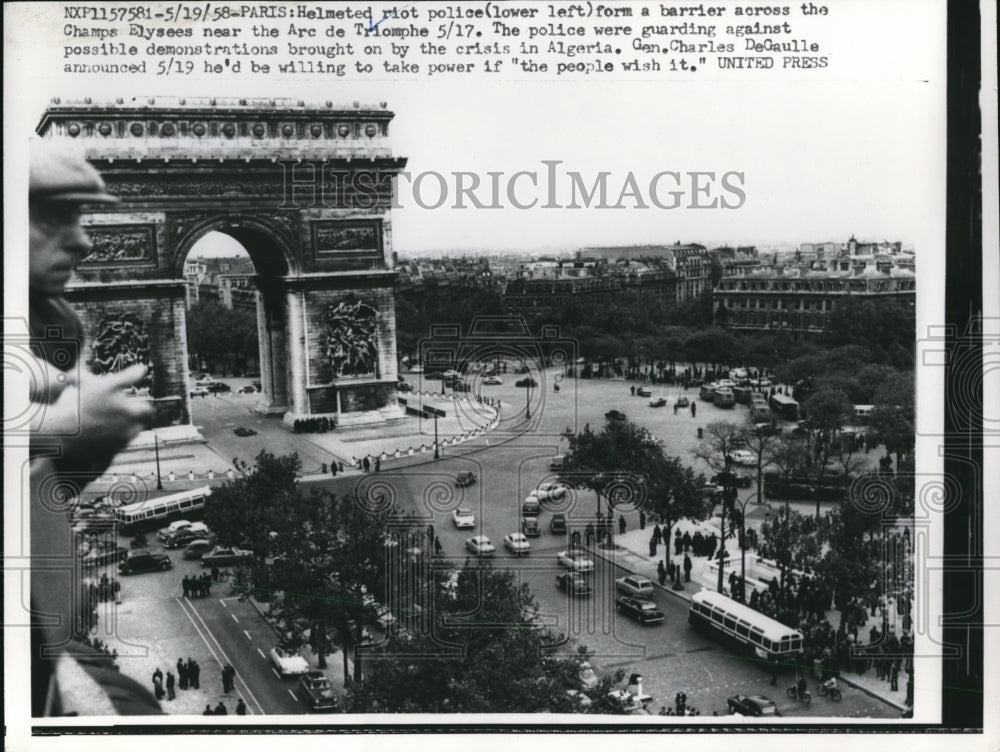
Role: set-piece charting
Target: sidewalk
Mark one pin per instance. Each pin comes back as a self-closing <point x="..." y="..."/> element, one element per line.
<point x="631" y="552"/>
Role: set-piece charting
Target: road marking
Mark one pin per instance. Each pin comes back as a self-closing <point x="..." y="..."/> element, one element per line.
<point x="710" y="677"/>
<point x="235" y="619"/>
<point x="275" y="672"/>
<point x="262" y="654"/>
<point x="247" y="634"/>
<point x="293" y="695"/>
<point x="204" y="632"/>
<point x="223" y="602"/>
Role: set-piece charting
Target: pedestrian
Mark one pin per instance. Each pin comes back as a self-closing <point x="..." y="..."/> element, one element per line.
<point x="182" y="674"/>
<point x="206" y="586"/>
<point x="231" y="677"/>
<point x="678" y="543"/>
<point x="378" y="460"/>
<point x="215" y="574"/>
<point x="632" y="389"/>
<point x="652" y="547"/>
<point x="208" y="710"/>
<point x="661" y="572"/>
<point x="186" y="586"/>
<point x="621" y="524"/>
<point x="194" y="671"/>
<point x="225" y="679"/>
<point x="642" y="519"/>
<point x="366" y="464"/>
<point x="657" y="534"/>
<point x="687" y="541"/>
<point x="116" y="585"/>
<point x="220" y="709"/>
<point x="437" y="546"/>
<point x="687" y="568"/>
<point x="694" y="409"/>
<point x="170" y="685"/>
<point x="158" y="684"/>
<point x="894" y="677"/>
<point x="241" y="707"/>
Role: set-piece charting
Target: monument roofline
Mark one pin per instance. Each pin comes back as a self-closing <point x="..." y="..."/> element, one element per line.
<point x="163" y="107"/>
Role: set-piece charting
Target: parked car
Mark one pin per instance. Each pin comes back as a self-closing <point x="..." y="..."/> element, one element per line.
<point x="480" y="545"/>
<point x="288" y="663"/>
<point x="247" y="389"/>
<point x="465" y="478"/>
<point x="549" y="490"/>
<point x="244" y="431"/>
<point x="635" y="586"/>
<point x="643" y="391"/>
<point x="531" y="507"/>
<point x="614" y="415"/>
<point x="575" y="560"/>
<point x="529" y="526"/>
<point x="574" y="584"/>
<point x="198" y="548"/>
<point x="256" y="384"/>
<point x="557" y="525"/>
<point x="766" y="429"/>
<point x="182" y="537"/>
<point x="141" y="561"/>
<point x="199" y="391"/>
<point x="755" y="705"/>
<point x="416" y="368"/>
<point x="657" y="401"/>
<point x="99" y="557"/>
<point x="225" y="556"/>
<point x="219" y="387"/>
<point x="527" y="381"/>
<point x="463" y="518"/>
<point x="317" y="691"/>
<point x="641" y="610"/>
<point x="682" y="402"/>
<point x="493" y="381"/>
<point x="517" y="543"/>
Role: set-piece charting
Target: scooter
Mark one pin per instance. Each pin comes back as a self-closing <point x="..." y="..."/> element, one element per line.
<point x="832" y="692"/>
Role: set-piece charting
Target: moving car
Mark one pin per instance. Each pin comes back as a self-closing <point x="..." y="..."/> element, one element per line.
<point x="244" y="431"/>
<point x="463" y="518"/>
<point x="517" y="543"/>
<point x="557" y="525"/>
<point x="614" y="415"/>
<point x="657" y="401"/>
<point x="141" y="561"/>
<point x="529" y="526"/>
<point x="465" y="478"/>
<point x="493" y="380"/>
<point x="198" y="548"/>
<point x="575" y="560"/>
<point x="635" y="586"/>
<point x="643" y="391"/>
<point x="172" y="529"/>
<point x="317" y="691"/>
<point x="527" y="381"/>
<point x="743" y="457"/>
<point x="248" y="389"/>
<point x="531" y="507"/>
<point x="480" y="545"/>
<point x="219" y="387"/>
<point x="102" y="556"/>
<point x="549" y="490"/>
<point x="222" y="556"/>
<point x="755" y="705"/>
<point x="641" y="610"/>
<point x="199" y="391"/>
<point x="574" y="584"/>
<point x="766" y="429"/>
<point x="682" y="402"/>
<point x="185" y="535"/>
<point x="287" y="663"/>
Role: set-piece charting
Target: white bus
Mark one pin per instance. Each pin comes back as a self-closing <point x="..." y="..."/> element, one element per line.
<point x="757" y="634"/>
<point x="156" y="513"/>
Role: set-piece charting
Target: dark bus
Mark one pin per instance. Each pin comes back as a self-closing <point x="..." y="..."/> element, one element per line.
<point x="826" y="488"/>
<point x="784" y="407"/>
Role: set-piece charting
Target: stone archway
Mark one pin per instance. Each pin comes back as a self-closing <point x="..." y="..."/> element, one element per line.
<point x="306" y="189"/>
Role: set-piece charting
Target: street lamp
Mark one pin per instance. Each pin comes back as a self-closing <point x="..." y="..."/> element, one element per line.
<point x="437" y="455"/>
<point x="156" y="446"/>
<point x="743" y="548"/>
<point x="527" y="401"/>
<point x="728" y="481"/>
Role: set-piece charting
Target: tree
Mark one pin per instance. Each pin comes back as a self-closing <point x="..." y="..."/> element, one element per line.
<point x="827" y="410"/>
<point x="853" y="557"/>
<point x="485" y="653"/>
<point x="674" y="494"/>
<point x="721" y="439"/>
<point x="791" y="539"/>
<point x="893" y="415"/>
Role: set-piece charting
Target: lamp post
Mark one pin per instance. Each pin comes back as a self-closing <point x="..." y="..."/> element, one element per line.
<point x="527" y="401"/>
<point x="437" y="454"/>
<point x="729" y="485"/>
<point x="156" y="446"/>
<point x="743" y="549"/>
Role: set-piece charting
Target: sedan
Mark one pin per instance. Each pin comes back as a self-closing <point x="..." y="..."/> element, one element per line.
<point x="219" y="387"/>
<point x="244" y="431"/>
<point x="657" y="401"/>
<point x="199" y="391"/>
<point x="643" y="392"/>
<point x="222" y="556"/>
<point x="142" y="561"/>
<point x="529" y="526"/>
<point x="318" y="691"/>
<point x="463" y="518"/>
<point x="531" y="507"/>
<point x="100" y="557"/>
<point x="248" y="389"/>
<point x="529" y="382"/>
<point x="493" y="381"/>
<point x="743" y="457"/>
<point x="614" y="415"/>
<point x="755" y="705"/>
<point x="642" y="611"/>
<point x="480" y="546"/>
<point x="635" y="586"/>
<point x="682" y="402"/>
<point x="549" y="490"/>
<point x="574" y="584"/>
<point x="288" y="663"/>
<point x="517" y="544"/>
<point x="404" y="387"/>
<point x="575" y="560"/>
